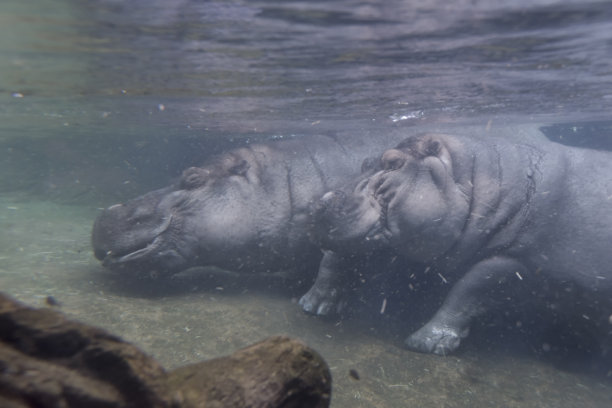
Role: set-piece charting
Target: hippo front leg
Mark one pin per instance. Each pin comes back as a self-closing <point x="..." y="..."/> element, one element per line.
<point x="486" y="284"/>
<point x="325" y="294"/>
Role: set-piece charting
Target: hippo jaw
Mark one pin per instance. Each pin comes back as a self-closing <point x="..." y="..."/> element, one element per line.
<point x="157" y="248"/>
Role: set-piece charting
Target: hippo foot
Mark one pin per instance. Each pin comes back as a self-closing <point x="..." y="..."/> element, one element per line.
<point x="440" y="340"/>
<point x="320" y="301"/>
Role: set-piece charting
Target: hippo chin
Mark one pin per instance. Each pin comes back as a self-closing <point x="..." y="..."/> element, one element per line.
<point x="246" y="210"/>
<point x="498" y="220"/>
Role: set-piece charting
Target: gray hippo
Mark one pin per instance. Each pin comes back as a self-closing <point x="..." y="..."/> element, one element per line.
<point x="497" y="219"/>
<point x="247" y="210"/>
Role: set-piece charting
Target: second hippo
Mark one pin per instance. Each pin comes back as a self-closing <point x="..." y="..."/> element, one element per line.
<point x="497" y="219"/>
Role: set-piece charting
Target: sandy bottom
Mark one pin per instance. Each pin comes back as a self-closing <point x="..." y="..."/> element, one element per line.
<point x="45" y="250"/>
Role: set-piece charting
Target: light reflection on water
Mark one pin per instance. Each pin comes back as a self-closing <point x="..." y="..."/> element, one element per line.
<point x="101" y="100"/>
<point x="279" y="62"/>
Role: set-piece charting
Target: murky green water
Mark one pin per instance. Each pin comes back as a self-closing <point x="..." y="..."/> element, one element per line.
<point x="104" y="100"/>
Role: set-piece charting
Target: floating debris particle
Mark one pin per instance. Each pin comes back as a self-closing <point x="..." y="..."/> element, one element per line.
<point x="51" y="301"/>
<point x="384" y="306"/>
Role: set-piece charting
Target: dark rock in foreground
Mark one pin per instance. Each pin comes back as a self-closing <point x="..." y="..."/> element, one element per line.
<point x="49" y="361"/>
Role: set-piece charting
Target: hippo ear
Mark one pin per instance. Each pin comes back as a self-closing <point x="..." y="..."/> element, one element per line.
<point x="194" y="177"/>
<point x="422" y="145"/>
<point x="232" y="165"/>
<point x="431" y="147"/>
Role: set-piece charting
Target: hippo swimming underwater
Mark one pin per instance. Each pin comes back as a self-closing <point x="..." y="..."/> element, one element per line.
<point x="247" y="210"/>
<point x="496" y="218"/>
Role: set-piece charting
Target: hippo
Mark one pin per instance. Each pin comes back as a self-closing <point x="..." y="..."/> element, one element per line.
<point x="246" y="210"/>
<point x="498" y="219"/>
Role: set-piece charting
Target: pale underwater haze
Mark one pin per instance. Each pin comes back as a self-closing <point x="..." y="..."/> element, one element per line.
<point x="105" y="100"/>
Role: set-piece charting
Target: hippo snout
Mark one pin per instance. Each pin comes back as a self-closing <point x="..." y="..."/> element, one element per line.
<point x="105" y="230"/>
<point x="331" y="202"/>
<point x="328" y="210"/>
<point x="138" y="232"/>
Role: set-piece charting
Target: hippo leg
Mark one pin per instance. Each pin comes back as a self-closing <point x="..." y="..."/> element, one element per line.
<point x="325" y="295"/>
<point x="486" y="285"/>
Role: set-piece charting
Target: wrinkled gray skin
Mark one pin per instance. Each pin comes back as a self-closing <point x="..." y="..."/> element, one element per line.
<point x="489" y="215"/>
<point x="246" y="210"/>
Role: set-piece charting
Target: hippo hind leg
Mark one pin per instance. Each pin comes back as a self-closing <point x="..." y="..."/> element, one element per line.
<point x="484" y="286"/>
<point x="436" y="339"/>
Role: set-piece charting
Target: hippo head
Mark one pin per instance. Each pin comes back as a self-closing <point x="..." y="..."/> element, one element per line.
<point x="415" y="199"/>
<point x="210" y="216"/>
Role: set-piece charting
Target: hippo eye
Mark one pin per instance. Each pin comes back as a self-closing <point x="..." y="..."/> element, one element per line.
<point x="393" y="159"/>
<point x="194" y="177"/>
<point x="370" y="163"/>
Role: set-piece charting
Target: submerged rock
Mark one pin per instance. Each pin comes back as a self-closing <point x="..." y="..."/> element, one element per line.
<point x="278" y="372"/>
<point x="47" y="360"/>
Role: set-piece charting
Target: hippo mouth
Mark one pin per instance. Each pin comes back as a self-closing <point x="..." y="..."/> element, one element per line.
<point x="144" y="251"/>
<point x="379" y="232"/>
<point x="374" y="232"/>
<point x="359" y="217"/>
<point x="111" y="259"/>
<point x="380" y="229"/>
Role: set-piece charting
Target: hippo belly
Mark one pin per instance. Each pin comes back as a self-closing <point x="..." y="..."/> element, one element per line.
<point x="495" y="219"/>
